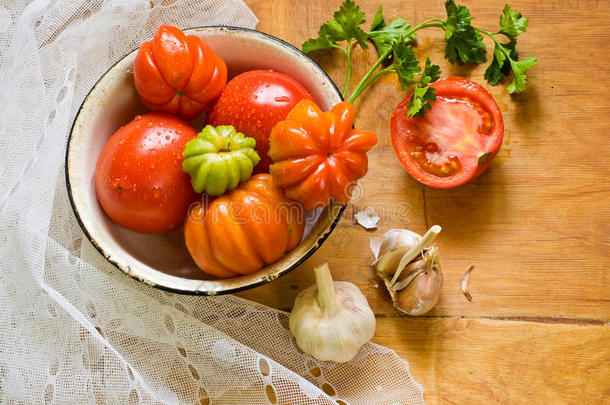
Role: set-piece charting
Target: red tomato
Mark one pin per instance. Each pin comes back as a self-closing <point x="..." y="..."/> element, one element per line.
<point x="139" y="179"/>
<point x="455" y="141"/>
<point x="253" y="102"/>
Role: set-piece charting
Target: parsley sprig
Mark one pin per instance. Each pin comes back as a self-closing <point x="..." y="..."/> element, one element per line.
<point x="505" y="56"/>
<point x="393" y="43"/>
<point x="344" y="27"/>
<point x="423" y="94"/>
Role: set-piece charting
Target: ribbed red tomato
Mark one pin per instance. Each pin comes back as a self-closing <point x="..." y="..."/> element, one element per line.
<point x="177" y="73"/>
<point x="253" y="102"/>
<point x="455" y="141"/>
<point x="139" y="179"/>
<point x="317" y="155"/>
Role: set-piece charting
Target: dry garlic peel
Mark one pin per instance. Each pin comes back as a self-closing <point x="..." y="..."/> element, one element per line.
<point x="410" y="269"/>
<point x="331" y="320"/>
<point x="391" y="248"/>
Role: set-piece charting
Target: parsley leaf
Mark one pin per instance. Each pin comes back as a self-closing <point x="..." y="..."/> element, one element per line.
<point x="421" y="101"/>
<point x="430" y="74"/>
<point x="464" y="43"/>
<point x="378" y="21"/>
<point x="493" y="73"/>
<point x="349" y="18"/>
<point x="344" y="27"/>
<point x="404" y="63"/>
<point x="384" y="35"/>
<point x="512" y="23"/>
<point x="505" y="57"/>
<point x="519" y="69"/>
<point x="499" y="66"/>
<point x="423" y="94"/>
<point x="325" y="39"/>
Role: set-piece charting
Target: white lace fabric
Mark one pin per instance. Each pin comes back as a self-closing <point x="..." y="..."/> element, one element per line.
<point x="75" y="330"/>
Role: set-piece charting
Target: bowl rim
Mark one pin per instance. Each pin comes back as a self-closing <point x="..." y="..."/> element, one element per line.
<point x="319" y="241"/>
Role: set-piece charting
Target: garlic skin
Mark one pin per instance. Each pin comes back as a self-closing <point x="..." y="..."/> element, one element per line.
<point x="394" y="244"/>
<point x="367" y="218"/>
<point x="411" y="270"/>
<point x="331" y="320"/>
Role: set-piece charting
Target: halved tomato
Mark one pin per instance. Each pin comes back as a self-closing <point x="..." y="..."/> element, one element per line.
<point x="455" y="141"/>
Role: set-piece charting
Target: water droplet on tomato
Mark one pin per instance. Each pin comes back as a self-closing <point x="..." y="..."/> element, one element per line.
<point x="282" y="99"/>
<point x="156" y="190"/>
<point x="138" y="117"/>
<point x="167" y="137"/>
<point x="178" y="131"/>
<point x="149" y="125"/>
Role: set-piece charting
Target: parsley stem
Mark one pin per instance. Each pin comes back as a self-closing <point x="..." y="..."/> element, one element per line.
<point x="348" y="53"/>
<point x="376" y="75"/>
<point x="496" y="42"/>
<point x="428" y="24"/>
<point x="365" y="80"/>
<point x="489" y="34"/>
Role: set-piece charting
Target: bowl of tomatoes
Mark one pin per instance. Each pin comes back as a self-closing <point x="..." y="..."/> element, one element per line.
<point x="160" y="162"/>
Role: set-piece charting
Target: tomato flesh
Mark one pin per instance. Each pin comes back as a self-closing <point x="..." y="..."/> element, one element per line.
<point x="455" y="141"/>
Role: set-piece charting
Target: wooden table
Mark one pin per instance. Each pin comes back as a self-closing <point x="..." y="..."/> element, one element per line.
<point x="536" y="225"/>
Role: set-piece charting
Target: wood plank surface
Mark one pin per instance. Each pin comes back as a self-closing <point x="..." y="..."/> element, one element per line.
<point x="536" y="225"/>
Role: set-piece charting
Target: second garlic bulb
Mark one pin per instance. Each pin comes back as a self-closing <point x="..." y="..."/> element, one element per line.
<point x="331" y="319"/>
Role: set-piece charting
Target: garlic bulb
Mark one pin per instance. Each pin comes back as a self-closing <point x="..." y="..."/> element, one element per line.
<point x="331" y="320"/>
<point x="409" y="268"/>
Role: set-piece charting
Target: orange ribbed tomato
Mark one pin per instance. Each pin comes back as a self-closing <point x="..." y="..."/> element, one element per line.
<point x="178" y="74"/>
<point x="244" y="230"/>
<point x="317" y="155"/>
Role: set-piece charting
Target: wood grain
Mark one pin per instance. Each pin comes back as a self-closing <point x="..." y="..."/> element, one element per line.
<point x="536" y="225"/>
<point x="474" y="361"/>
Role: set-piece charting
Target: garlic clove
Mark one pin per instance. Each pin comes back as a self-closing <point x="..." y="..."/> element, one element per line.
<point x="422" y="292"/>
<point x="331" y="320"/>
<point x="411" y="271"/>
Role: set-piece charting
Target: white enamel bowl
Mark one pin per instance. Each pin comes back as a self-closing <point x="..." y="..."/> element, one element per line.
<point x="162" y="260"/>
